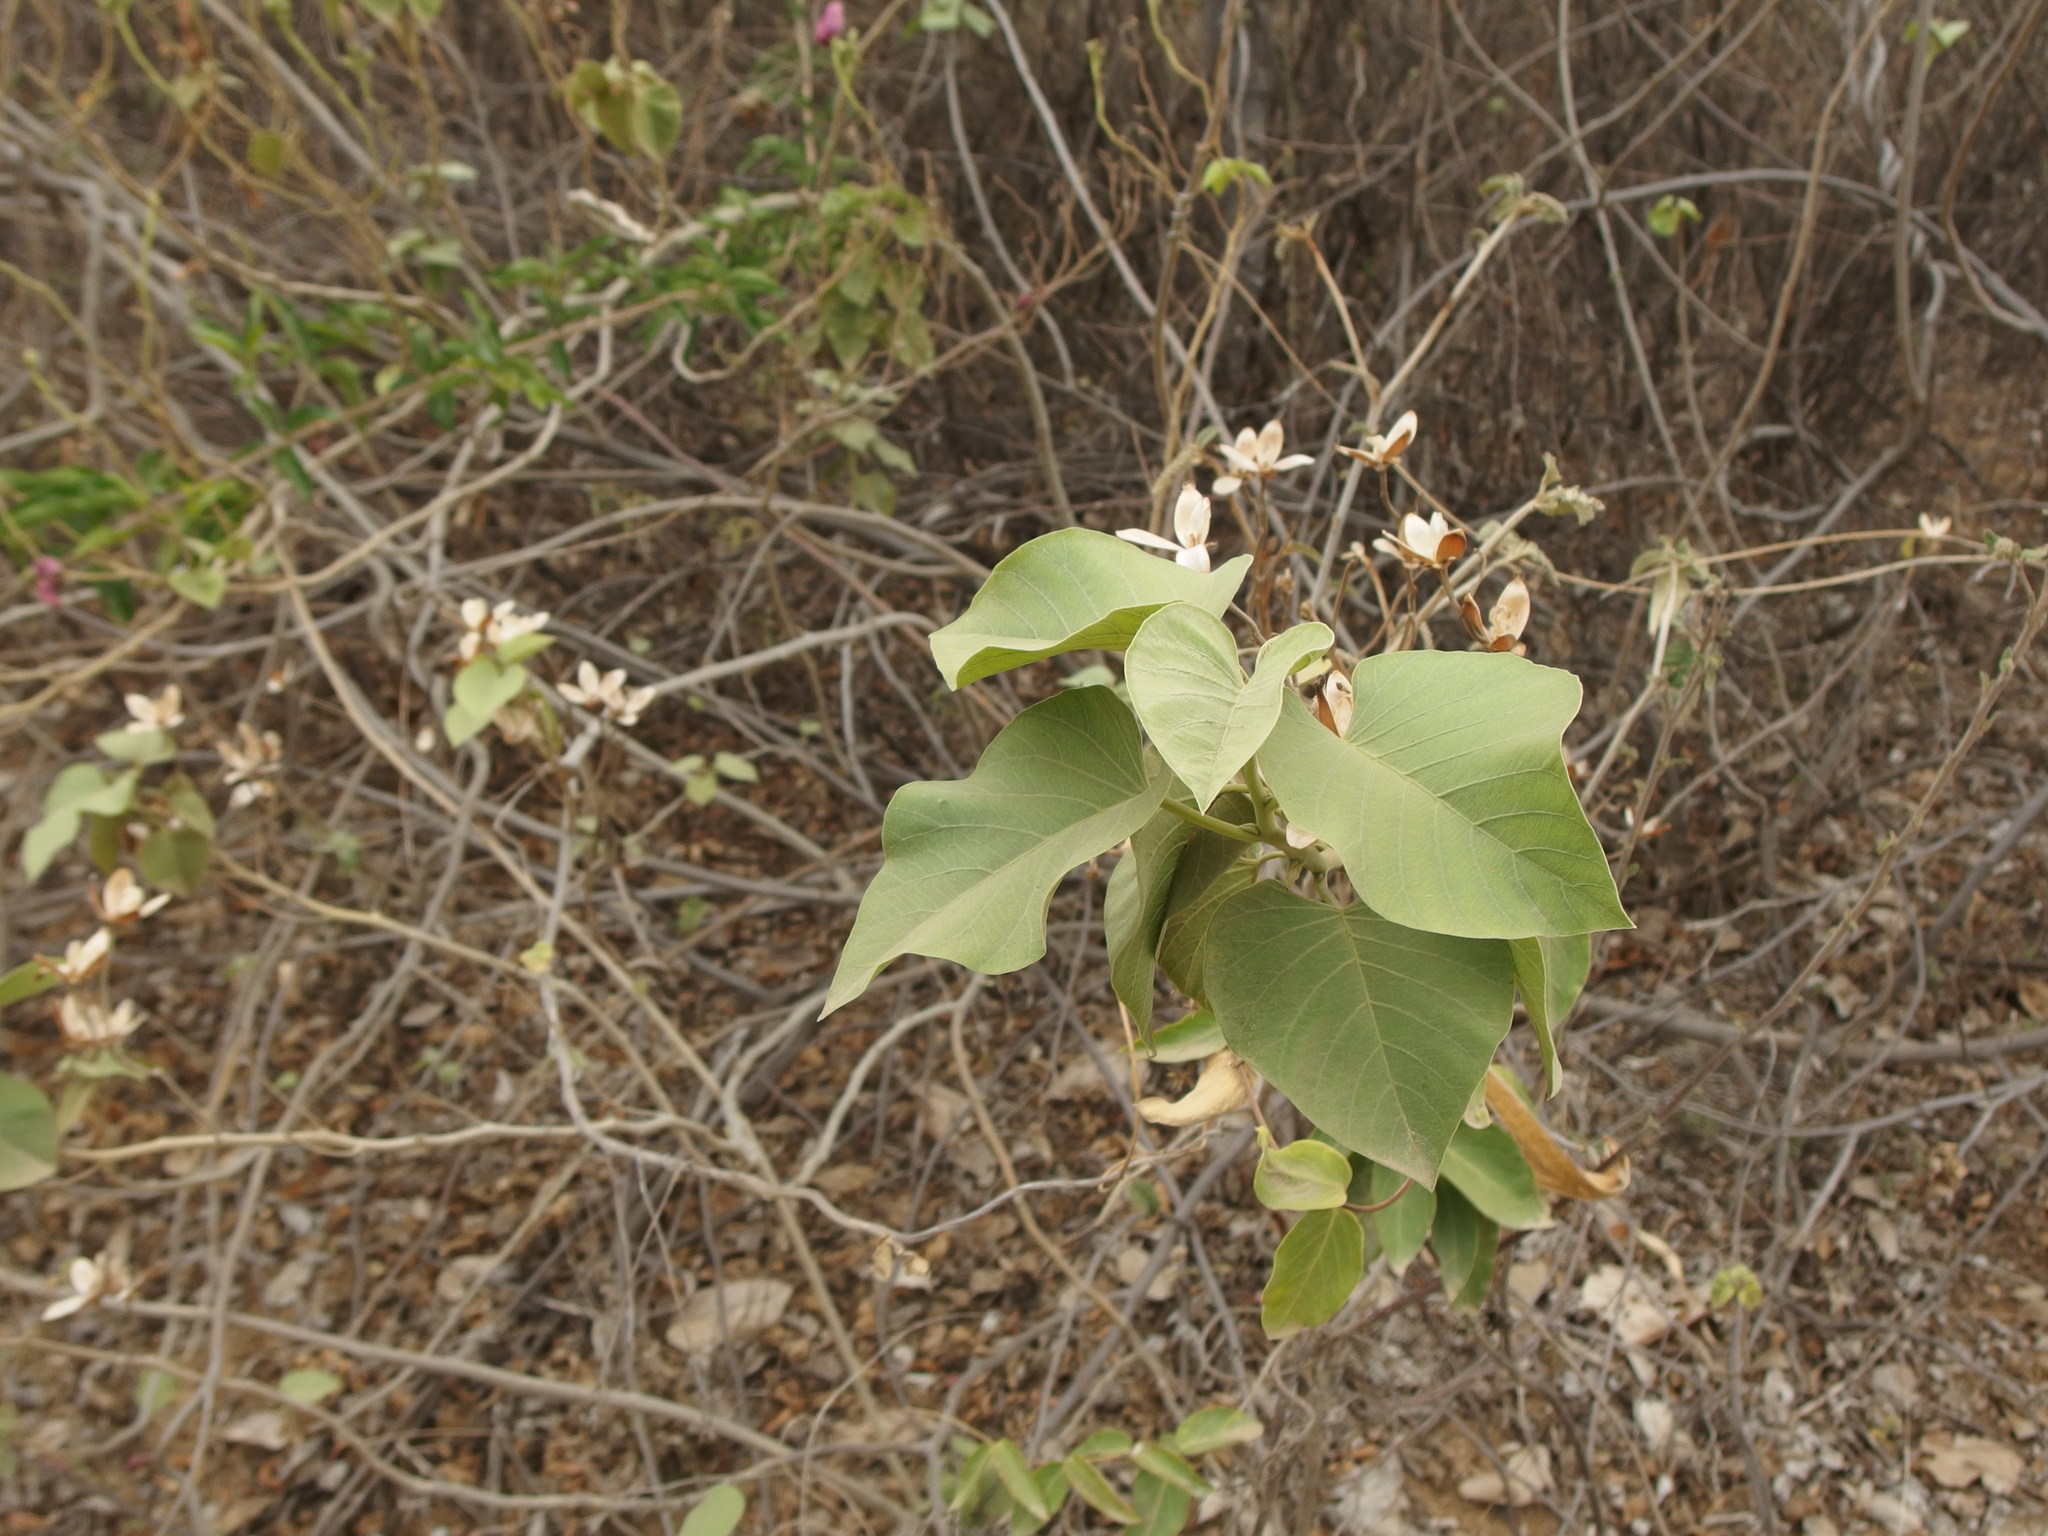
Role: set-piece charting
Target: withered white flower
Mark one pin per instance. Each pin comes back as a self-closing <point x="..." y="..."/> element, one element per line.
<point x="250" y="761"/>
<point x="1502" y="630"/>
<point x="165" y="712"/>
<point x="485" y="627"/>
<point x="1190" y="543"/>
<point x="1224" y="1085"/>
<point x="1257" y="456"/>
<point x="1382" y="448"/>
<point x="1935" y="527"/>
<point x="88" y="1025"/>
<point x="82" y="958"/>
<point x="517" y="723"/>
<point x="607" y="693"/>
<point x="121" y="899"/>
<point x="91" y="1280"/>
<point x="1432" y="543"/>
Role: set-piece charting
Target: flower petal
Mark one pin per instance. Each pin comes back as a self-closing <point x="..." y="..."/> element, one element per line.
<point x="1225" y="485"/>
<point x="1272" y="438"/>
<point x="1147" y="538"/>
<point x="1191" y="517"/>
<point x="1195" y="559"/>
<point x="1293" y="461"/>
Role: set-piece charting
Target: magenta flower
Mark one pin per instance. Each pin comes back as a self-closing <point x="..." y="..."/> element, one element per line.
<point x="48" y="571"/>
<point x="831" y="22"/>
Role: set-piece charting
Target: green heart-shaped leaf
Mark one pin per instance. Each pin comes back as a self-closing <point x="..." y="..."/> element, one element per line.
<point x="1193" y="699"/>
<point x="1302" y="1176"/>
<point x="1490" y="1171"/>
<point x="1550" y="974"/>
<point x="1378" y="1033"/>
<point x="482" y="688"/>
<point x="969" y="867"/>
<point x="1072" y="589"/>
<point x="1403" y="1218"/>
<point x="1212" y="869"/>
<point x="1134" y="907"/>
<point x="1315" y="1269"/>
<point x="28" y="1134"/>
<point x="1465" y="1244"/>
<point x="1448" y="797"/>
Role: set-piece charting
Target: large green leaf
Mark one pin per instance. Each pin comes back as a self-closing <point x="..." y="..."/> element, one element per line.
<point x="1550" y="974"/>
<point x="1465" y="1243"/>
<point x="28" y="1134"/>
<point x="1379" y="1033"/>
<point x="1134" y="906"/>
<point x="1069" y="590"/>
<point x="1403" y="1218"/>
<point x="1448" y="797"/>
<point x="1212" y="869"/>
<point x="1193" y="699"/>
<point x="1490" y="1171"/>
<point x="968" y="867"/>
<point x="1315" y="1269"/>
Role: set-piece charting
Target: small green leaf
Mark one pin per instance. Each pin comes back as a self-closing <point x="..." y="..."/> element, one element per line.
<point x="1097" y="1492"/>
<point x="1489" y="1170"/>
<point x="154" y="1390"/>
<point x="716" y="1514"/>
<point x="1104" y="1444"/>
<point x="522" y="648"/>
<point x="82" y="787"/>
<point x="969" y="868"/>
<point x="1302" y="1176"/>
<point x="1668" y="213"/>
<point x="1448" y="798"/>
<point x="1052" y="1492"/>
<point x="143" y="748"/>
<point x="1378" y="1033"/>
<point x="1207" y="1430"/>
<point x="29" y="979"/>
<point x="1315" y="1269"/>
<point x="1550" y="974"/>
<point x="1169" y="1466"/>
<point x="701" y="788"/>
<point x="1007" y="1462"/>
<point x="1403" y="1226"/>
<point x="1194" y="1038"/>
<point x="1221" y="174"/>
<point x="203" y="585"/>
<point x="538" y="957"/>
<point x="740" y="770"/>
<point x="1162" y="1506"/>
<point x="1072" y="589"/>
<point x="268" y="153"/>
<point x="174" y="859"/>
<point x="1465" y="1244"/>
<point x="481" y="688"/>
<point x="45" y="840"/>
<point x="1193" y="699"/>
<point x="310" y="1386"/>
<point x="972" y="1482"/>
<point x="28" y="1134"/>
<point x="1737" y="1283"/>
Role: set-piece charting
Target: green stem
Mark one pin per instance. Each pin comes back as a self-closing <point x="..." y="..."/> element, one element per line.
<point x="1189" y="814"/>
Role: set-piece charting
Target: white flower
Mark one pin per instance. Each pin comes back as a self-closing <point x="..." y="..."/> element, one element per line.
<point x="121" y="900"/>
<point x="87" y="1025"/>
<point x="1382" y="448"/>
<point x="1334" y="705"/>
<point x="1435" y="542"/>
<point x="1502" y="630"/>
<point x="165" y="712"/>
<point x="250" y="762"/>
<point x="607" y="693"/>
<point x="486" y="627"/>
<point x="91" y="1280"/>
<point x="1935" y="527"/>
<point x="1190" y="529"/>
<point x="82" y="957"/>
<point x="1256" y="456"/>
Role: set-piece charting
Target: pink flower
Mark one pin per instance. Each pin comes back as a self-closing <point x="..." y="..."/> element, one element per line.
<point x="49" y="571"/>
<point x="831" y="22"/>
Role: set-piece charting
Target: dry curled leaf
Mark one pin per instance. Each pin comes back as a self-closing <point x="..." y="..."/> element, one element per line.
<point x="737" y="1310"/>
<point x="1528" y="1477"/>
<point x="1556" y="1169"/>
<point x="1969" y="1459"/>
